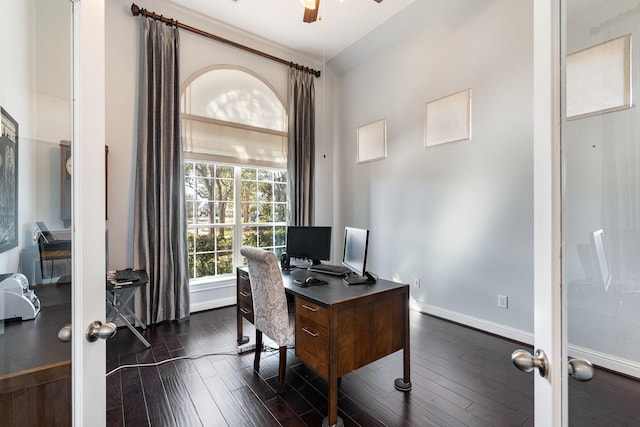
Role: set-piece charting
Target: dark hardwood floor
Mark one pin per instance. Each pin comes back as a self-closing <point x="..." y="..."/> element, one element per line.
<point x="461" y="377"/>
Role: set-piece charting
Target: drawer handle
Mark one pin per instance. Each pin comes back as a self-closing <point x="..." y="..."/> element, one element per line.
<point x="309" y="307"/>
<point x="244" y="294"/>
<point x="313" y="334"/>
<point x="245" y="311"/>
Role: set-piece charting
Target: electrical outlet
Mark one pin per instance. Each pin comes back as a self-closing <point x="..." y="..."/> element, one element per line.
<point x="416" y="282"/>
<point x="503" y="301"/>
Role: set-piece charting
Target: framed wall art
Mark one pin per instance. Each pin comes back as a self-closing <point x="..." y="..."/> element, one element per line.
<point x="8" y="181"/>
<point x="372" y="141"/>
<point x="448" y="119"/>
<point x="599" y="78"/>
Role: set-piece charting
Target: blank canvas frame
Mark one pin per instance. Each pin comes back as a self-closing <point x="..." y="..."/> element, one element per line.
<point x="448" y="119"/>
<point x="599" y="78"/>
<point x="372" y="141"/>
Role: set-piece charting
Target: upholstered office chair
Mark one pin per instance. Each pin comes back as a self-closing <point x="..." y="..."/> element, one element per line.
<point x="270" y="311"/>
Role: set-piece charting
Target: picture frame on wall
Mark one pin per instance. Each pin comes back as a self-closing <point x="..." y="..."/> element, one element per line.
<point x="8" y="181"/>
<point x="599" y="78"/>
<point x="448" y="119"/>
<point x="372" y="141"/>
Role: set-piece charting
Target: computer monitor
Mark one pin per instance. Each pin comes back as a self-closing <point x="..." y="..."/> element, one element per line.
<point x="356" y="241"/>
<point x="310" y="243"/>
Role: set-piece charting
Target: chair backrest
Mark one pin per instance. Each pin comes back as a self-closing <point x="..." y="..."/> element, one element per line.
<point x="270" y="310"/>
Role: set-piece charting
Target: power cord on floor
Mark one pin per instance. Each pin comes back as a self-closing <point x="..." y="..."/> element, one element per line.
<point x="265" y="348"/>
<point x="162" y="362"/>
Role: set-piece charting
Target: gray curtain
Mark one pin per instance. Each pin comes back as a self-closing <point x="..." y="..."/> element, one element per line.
<point x="301" y="147"/>
<point x="159" y="228"/>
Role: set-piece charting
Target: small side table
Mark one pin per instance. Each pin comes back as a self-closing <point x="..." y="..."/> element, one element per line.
<point x="118" y="297"/>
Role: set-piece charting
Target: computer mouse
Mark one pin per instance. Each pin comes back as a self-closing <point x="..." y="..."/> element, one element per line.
<point x="310" y="280"/>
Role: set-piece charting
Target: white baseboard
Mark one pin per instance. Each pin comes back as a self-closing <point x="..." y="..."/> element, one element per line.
<point x="607" y="361"/>
<point x="211" y="304"/>
<point x="474" y="322"/>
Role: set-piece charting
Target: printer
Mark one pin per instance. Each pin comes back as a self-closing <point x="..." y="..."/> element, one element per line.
<point x="17" y="301"/>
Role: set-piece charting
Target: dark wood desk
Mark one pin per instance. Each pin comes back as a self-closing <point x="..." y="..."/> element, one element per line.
<point x="35" y="366"/>
<point x="340" y="328"/>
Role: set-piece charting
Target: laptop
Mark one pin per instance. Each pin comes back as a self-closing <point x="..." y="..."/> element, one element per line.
<point x="602" y="271"/>
<point x="49" y="238"/>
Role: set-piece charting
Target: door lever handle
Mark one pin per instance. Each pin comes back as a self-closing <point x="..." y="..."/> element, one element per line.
<point x="64" y="334"/>
<point x="99" y="330"/>
<point x="527" y="363"/>
<point x="580" y="370"/>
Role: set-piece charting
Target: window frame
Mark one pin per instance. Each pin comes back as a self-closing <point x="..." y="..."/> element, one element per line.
<point x="237" y="225"/>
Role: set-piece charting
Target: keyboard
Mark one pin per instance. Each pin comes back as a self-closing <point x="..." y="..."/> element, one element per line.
<point x="127" y="275"/>
<point x="336" y="270"/>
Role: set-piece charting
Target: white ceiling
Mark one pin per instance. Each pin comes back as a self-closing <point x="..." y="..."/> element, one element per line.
<point x="341" y="23"/>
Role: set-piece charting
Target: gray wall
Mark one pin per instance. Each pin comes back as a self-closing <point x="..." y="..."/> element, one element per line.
<point x="457" y="216"/>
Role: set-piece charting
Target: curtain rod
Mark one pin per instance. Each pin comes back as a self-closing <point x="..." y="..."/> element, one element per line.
<point x="135" y="11"/>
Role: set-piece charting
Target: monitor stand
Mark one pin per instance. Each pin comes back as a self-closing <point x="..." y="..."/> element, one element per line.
<point x="368" y="278"/>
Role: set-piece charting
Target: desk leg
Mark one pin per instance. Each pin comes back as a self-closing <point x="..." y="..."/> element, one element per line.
<point x="404" y="384"/>
<point x="242" y="339"/>
<point x="332" y="419"/>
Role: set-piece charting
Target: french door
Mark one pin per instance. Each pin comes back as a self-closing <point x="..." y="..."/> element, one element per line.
<point x="586" y="194"/>
<point x="88" y="303"/>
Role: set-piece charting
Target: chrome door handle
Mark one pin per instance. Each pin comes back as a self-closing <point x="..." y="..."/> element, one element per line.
<point x="526" y="362"/>
<point x="580" y="369"/>
<point x="99" y="330"/>
<point x="64" y="334"/>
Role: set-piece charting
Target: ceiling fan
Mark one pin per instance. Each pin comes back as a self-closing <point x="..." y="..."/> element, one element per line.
<point x="311" y="9"/>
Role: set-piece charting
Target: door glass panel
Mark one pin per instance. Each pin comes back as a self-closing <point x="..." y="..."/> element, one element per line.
<point x="601" y="163"/>
<point x="35" y="211"/>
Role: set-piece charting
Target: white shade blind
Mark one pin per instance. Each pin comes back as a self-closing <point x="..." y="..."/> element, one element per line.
<point x="231" y="116"/>
<point x="229" y="143"/>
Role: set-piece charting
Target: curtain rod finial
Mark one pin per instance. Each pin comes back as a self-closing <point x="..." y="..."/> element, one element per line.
<point x="135" y="10"/>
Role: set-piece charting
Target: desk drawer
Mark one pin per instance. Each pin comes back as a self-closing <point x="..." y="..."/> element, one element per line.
<point x="312" y="335"/>
<point x="245" y="301"/>
<point x="312" y="311"/>
<point x="312" y="345"/>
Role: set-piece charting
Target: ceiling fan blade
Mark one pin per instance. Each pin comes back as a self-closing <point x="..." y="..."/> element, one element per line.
<point x="311" y="15"/>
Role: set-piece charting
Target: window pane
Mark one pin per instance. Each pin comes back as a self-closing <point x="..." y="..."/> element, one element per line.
<point x="265" y="175"/>
<point x="266" y="214"/>
<point x="190" y="212"/>
<point x="224" y="189"/>
<point x="224" y="212"/>
<point x="225" y="262"/>
<point x="249" y="212"/>
<point x="280" y="176"/>
<point x="205" y="265"/>
<point x="224" y="171"/>
<point x="280" y="212"/>
<point x="280" y="192"/>
<point x="225" y="239"/>
<point x="265" y="192"/>
<point x="249" y="174"/>
<point x="249" y="191"/>
<point x="281" y="236"/>
<point x="265" y="237"/>
<point x="250" y="236"/>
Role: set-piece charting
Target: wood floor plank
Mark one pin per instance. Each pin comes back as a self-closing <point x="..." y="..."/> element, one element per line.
<point x="208" y="412"/>
<point x="460" y="376"/>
